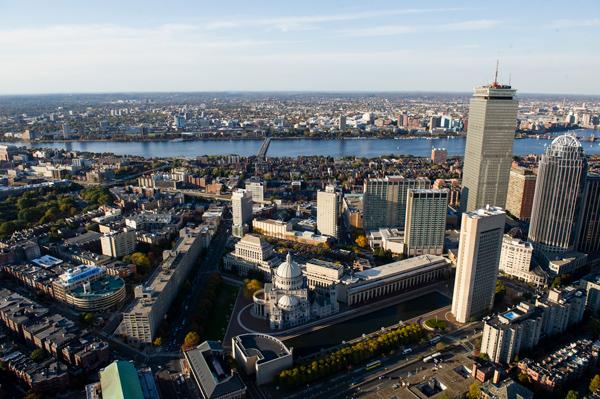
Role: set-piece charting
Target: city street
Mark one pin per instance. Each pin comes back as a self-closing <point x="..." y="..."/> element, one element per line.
<point x="210" y="264"/>
<point x="342" y="385"/>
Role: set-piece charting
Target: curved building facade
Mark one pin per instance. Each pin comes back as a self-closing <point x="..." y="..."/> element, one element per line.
<point x="262" y="355"/>
<point x="557" y="195"/>
<point x="98" y="295"/>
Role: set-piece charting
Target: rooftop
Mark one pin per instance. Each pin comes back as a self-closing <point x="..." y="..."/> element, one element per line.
<point x="566" y="140"/>
<point x="487" y="211"/>
<point x="517" y="241"/>
<point x="47" y="261"/>
<point x="506" y="389"/>
<point x="211" y="372"/>
<point x="516" y="314"/>
<point x="79" y="273"/>
<point x="101" y="287"/>
<point x="119" y="380"/>
<point x="264" y="346"/>
<point x="395" y="179"/>
<point x="324" y="263"/>
<point x="401" y="266"/>
<point x="254" y="240"/>
<point x="162" y="274"/>
<point x="82" y="238"/>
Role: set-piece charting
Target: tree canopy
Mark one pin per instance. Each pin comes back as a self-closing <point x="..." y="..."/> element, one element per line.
<point x="595" y="383"/>
<point x="474" y="391"/>
<point x="192" y="339"/>
<point x="350" y="355"/>
<point x="361" y="241"/>
<point x="37" y="355"/>
<point x="250" y="287"/>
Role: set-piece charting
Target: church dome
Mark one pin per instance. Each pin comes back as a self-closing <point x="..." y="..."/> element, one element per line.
<point x="289" y="269"/>
<point x="287" y="302"/>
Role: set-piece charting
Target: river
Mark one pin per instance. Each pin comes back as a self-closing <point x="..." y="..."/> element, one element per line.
<point x="299" y="147"/>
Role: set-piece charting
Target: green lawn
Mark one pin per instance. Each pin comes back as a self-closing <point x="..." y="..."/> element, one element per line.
<point x="215" y="330"/>
<point x="437" y="324"/>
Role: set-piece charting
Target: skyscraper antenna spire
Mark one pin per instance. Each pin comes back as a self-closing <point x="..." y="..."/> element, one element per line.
<point x="496" y="75"/>
<point x="509" y="78"/>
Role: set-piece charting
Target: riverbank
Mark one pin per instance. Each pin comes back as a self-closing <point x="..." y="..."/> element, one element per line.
<point x="136" y="139"/>
<point x="367" y="147"/>
<point x="210" y="136"/>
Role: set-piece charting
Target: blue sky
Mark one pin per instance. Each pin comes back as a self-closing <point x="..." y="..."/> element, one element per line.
<point x="104" y="46"/>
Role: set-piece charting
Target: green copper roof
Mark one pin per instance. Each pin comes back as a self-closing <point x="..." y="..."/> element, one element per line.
<point x="119" y="380"/>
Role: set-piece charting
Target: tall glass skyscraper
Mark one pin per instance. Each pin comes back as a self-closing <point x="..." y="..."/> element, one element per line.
<point x="588" y="239"/>
<point x="558" y="189"/>
<point x="488" y="152"/>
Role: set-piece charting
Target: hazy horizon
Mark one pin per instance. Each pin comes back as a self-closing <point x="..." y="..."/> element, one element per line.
<point x="282" y="92"/>
<point x="313" y="46"/>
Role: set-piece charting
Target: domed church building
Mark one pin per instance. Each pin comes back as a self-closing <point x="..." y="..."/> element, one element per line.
<point x="287" y="301"/>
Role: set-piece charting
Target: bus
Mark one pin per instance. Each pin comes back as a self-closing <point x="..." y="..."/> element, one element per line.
<point x="435" y="340"/>
<point x="429" y="358"/>
<point x="373" y="364"/>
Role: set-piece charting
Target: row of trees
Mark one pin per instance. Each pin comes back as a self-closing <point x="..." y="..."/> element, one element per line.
<point x="350" y="355"/>
<point x="203" y="311"/>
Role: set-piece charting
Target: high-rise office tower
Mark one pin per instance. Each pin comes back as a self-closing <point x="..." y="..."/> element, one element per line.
<point x="477" y="266"/>
<point x="425" y="225"/>
<point x="256" y="189"/>
<point x="384" y="200"/>
<point x="241" y="204"/>
<point x="488" y="152"/>
<point x="521" y="188"/>
<point x="342" y="122"/>
<point x="588" y="235"/>
<point x="329" y="204"/>
<point x="561" y="173"/>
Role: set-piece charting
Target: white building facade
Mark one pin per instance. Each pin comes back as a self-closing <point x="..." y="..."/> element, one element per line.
<point x="329" y="203"/>
<point x="515" y="261"/>
<point x="285" y="301"/>
<point x="478" y="261"/>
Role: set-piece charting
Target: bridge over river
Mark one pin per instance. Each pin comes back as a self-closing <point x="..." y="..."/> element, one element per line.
<point x="262" y="152"/>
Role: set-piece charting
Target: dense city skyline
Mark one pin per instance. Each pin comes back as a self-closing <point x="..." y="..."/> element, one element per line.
<point x="309" y="46"/>
<point x="299" y="200"/>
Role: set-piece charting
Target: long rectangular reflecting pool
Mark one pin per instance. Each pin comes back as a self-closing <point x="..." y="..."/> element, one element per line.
<point x="349" y="329"/>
